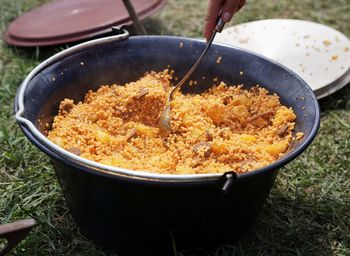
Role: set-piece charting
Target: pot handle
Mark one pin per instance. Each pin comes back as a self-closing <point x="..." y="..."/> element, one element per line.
<point x="228" y="179"/>
<point x="14" y="233"/>
<point x="120" y="34"/>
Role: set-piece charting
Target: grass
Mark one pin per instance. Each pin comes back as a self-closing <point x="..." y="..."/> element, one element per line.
<point x="308" y="211"/>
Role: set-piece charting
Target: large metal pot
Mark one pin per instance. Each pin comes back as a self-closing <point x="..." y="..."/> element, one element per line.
<point x="123" y="208"/>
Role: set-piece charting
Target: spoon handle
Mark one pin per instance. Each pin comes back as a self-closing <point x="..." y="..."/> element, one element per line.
<point x="219" y="25"/>
<point x="218" y="28"/>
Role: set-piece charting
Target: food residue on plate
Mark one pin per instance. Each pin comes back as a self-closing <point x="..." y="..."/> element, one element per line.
<point x="327" y="43"/>
<point x="334" y="57"/>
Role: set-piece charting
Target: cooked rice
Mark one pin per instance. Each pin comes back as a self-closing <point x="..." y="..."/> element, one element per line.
<point x="226" y="128"/>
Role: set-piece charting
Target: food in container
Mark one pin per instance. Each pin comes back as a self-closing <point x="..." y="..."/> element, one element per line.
<point x="223" y="129"/>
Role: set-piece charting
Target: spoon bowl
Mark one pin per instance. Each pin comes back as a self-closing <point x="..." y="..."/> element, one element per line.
<point x="164" y="121"/>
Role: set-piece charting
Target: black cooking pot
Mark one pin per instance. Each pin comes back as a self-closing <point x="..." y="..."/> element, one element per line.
<point x="128" y="209"/>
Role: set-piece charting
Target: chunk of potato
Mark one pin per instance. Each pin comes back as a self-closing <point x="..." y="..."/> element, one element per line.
<point x="276" y="148"/>
<point x="103" y="137"/>
<point x="187" y="120"/>
<point x="219" y="148"/>
<point x="183" y="169"/>
<point x="248" y="138"/>
<point x="196" y="132"/>
<point x="116" y="160"/>
<point x="58" y="141"/>
<point x="216" y="112"/>
<point x="286" y="114"/>
<point x="146" y="131"/>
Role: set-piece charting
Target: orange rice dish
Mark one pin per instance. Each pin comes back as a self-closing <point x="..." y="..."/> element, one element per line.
<point x="226" y="128"/>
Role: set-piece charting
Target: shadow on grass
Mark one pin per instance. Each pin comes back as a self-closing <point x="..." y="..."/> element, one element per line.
<point x="304" y="227"/>
<point x="336" y="101"/>
<point x="287" y="226"/>
<point x="291" y="227"/>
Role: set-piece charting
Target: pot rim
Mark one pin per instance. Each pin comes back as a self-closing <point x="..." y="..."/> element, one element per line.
<point x="143" y="175"/>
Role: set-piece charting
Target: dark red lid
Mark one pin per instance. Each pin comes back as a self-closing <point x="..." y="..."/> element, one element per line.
<point x="66" y="21"/>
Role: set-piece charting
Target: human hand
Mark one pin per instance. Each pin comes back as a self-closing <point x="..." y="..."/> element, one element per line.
<point x="227" y="9"/>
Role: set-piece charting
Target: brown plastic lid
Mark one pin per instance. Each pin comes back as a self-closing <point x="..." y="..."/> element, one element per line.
<point x="66" y="21"/>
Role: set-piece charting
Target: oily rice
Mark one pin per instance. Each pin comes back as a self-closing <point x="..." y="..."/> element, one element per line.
<point x="223" y="129"/>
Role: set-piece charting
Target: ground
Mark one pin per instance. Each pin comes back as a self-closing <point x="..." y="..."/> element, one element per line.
<point x="308" y="211"/>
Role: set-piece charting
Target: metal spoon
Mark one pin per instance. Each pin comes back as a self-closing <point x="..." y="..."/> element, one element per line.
<point x="164" y="118"/>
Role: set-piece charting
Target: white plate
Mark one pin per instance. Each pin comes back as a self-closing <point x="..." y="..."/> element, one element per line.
<point x="317" y="53"/>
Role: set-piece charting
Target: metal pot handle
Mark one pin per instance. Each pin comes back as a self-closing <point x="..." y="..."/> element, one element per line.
<point x="228" y="179"/>
<point x="14" y="233"/>
<point x="121" y="34"/>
